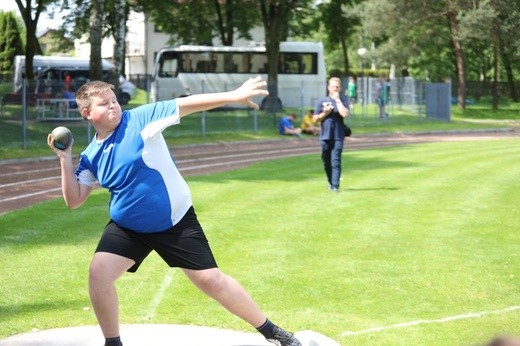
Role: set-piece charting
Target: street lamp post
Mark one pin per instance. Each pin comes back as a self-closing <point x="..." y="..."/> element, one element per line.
<point x="362" y="51"/>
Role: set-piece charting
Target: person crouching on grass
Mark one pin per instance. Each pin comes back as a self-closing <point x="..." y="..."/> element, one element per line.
<point x="286" y="126"/>
<point x="150" y="205"/>
<point x="309" y="125"/>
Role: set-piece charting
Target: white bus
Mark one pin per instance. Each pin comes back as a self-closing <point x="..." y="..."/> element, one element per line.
<point x="52" y="73"/>
<point x="187" y="69"/>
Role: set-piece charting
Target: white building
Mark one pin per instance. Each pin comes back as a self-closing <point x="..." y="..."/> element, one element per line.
<point x="143" y="42"/>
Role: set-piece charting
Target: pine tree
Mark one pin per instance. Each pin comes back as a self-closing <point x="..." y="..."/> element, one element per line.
<point x="10" y="43"/>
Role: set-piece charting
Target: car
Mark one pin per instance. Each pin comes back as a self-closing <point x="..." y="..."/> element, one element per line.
<point x="127" y="90"/>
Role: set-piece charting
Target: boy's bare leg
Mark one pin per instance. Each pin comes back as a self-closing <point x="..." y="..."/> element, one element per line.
<point x="231" y="295"/>
<point x="105" y="269"/>
<point x="228" y="292"/>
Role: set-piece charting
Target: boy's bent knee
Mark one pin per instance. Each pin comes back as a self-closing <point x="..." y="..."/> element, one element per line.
<point x="107" y="266"/>
<point x="208" y="280"/>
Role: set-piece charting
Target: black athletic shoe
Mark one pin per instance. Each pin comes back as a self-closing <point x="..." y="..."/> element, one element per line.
<point x="283" y="338"/>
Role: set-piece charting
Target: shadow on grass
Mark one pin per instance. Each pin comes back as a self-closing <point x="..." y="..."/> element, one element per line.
<point x="52" y="223"/>
<point x="13" y="310"/>
<point x="374" y="189"/>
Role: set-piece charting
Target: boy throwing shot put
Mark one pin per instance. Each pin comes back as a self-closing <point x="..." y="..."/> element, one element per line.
<point x="150" y="204"/>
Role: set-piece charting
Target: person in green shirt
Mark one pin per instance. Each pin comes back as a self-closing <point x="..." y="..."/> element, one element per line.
<point x="352" y="92"/>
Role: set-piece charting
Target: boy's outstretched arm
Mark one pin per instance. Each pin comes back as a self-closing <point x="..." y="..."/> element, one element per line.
<point x="242" y="95"/>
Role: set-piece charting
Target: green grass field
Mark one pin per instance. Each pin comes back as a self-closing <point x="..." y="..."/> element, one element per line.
<point x="421" y="247"/>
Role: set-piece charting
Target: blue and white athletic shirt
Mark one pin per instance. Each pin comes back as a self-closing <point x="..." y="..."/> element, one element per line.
<point x="148" y="194"/>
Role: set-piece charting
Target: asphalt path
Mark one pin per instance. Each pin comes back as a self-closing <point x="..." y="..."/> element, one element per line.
<point x="29" y="181"/>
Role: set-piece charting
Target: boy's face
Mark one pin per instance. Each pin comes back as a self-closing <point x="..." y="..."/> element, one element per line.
<point x="105" y="111"/>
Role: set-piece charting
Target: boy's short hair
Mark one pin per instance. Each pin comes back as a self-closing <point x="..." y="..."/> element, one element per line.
<point x="87" y="90"/>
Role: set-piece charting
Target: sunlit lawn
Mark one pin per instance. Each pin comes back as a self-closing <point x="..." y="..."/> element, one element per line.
<point x="421" y="247"/>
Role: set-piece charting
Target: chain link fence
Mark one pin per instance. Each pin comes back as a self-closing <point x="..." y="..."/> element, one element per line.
<point x="405" y="94"/>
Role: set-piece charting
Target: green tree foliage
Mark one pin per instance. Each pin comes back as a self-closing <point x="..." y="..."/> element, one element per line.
<point x="10" y="42"/>
<point x="420" y="34"/>
<point x="407" y="33"/>
<point x="340" y="24"/>
<point x="60" y="43"/>
<point x="509" y="41"/>
<point x="488" y="24"/>
<point x="436" y="40"/>
<point x="199" y="22"/>
<point x="450" y="39"/>
<point x="105" y="18"/>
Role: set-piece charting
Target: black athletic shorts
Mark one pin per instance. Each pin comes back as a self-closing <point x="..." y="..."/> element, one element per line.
<point x="184" y="245"/>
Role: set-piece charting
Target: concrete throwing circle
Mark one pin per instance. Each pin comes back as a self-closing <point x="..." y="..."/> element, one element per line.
<point x="137" y="334"/>
<point x="156" y="334"/>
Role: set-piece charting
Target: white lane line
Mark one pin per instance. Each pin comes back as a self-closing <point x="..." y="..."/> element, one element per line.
<point x="159" y="295"/>
<point x="440" y="320"/>
<point x="250" y="156"/>
<point x="30" y="181"/>
<point x="27" y="195"/>
<point x="182" y="169"/>
<point x="30" y="171"/>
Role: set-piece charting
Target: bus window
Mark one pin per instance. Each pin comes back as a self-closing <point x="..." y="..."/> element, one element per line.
<point x="309" y="63"/>
<point x="258" y="63"/>
<point x="203" y="62"/>
<point x="217" y="62"/>
<point x="234" y="63"/>
<point x="298" y="63"/>
<point x="225" y="62"/>
<point x="204" y="66"/>
<point x="289" y="63"/>
<point x="168" y="67"/>
<point x="79" y="78"/>
<point x="186" y="63"/>
<point x="245" y="63"/>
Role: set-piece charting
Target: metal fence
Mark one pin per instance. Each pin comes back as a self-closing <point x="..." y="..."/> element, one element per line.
<point x="477" y="90"/>
<point x="406" y="94"/>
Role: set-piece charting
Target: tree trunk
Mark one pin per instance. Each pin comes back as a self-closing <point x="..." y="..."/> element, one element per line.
<point x="459" y="55"/>
<point x="505" y="56"/>
<point x="494" y="91"/>
<point x="274" y="15"/>
<point x="30" y="49"/>
<point x="96" y="37"/>
<point x="32" y="46"/>
<point x="120" y="36"/>
<point x="344" y="49"/>
<point x="225" y="29"/>
<point x="342" y="37"/>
